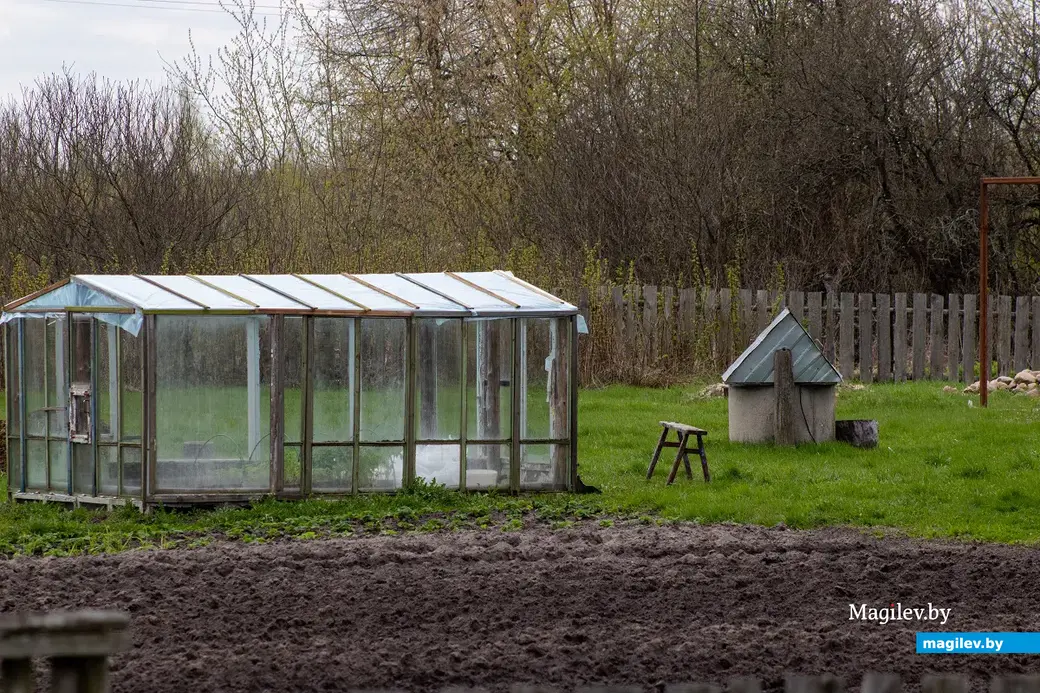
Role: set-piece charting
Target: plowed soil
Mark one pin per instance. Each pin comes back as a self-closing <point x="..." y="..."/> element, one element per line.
<point x="636" y="605"/>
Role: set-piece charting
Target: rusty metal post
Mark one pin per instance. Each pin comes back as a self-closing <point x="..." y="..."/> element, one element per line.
<point x="983" y="302"/>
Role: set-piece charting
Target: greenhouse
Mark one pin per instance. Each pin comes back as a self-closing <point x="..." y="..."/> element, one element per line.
<point x="209" y="389"/>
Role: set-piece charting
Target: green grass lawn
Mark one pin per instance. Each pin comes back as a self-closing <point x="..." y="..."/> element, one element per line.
<point x="943" y="469"/>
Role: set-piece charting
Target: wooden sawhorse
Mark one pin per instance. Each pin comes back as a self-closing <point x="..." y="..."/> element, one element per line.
<point x="684" y="432"/>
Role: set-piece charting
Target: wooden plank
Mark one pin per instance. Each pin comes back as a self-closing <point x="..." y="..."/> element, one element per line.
<point x="881" y="683"/>
<point x="815" y="310"/>
<point x="747" y="316"/>
<point x="968" y="339"/>
<point x="725" y="327"/>
<point x="796" y="302"/>
<point x="684" y="320"/>
<point x="761" y="310"/>
<point x="783" y="393"/>
<point x="1034" y="352"/>
<point x="710" y="324"/>
<point x="899" y="337"/>
<point x="1004" y="335"/>
<point x="631" y="329"/>
<point x="830" y="329"/>
<point x="650" y="338"/>
<point x="935" y="339"/>
<point x="991" y="333"/>
<point x="667" y="331"/>
<point x="884" y="336"/>
<point x="917" y="336"/>
<point x="617" y="301"/>
<point x="953" y="339"/>
<point x="846" y="347"/>
<point x="1021" y="355"/>
<point x="866" y="338"/>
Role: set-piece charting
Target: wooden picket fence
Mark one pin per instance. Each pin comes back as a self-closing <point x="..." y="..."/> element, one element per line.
<point x="871" y="683"/>
<point x="868" y="336"/>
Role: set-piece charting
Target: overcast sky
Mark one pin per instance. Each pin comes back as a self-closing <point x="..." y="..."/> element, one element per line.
<point x="38" y="36"/>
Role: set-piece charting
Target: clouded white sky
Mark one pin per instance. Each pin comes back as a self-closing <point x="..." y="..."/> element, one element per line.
<point x="117" y="39"/>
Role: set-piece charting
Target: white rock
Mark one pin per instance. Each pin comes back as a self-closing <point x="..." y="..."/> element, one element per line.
<point x="1005" y="379"/>
<point x="973" y="388"/>
<point x="949" y="388"/>
<point x="1025" y="376"/>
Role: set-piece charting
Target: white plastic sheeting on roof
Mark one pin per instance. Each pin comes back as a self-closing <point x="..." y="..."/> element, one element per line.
<point x="485" y="294"/>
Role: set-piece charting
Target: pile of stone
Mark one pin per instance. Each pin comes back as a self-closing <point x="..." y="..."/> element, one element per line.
<point x="1025" y="382"/>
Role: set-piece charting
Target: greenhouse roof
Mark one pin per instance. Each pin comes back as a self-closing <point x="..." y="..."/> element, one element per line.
<point x="461" y="294"/>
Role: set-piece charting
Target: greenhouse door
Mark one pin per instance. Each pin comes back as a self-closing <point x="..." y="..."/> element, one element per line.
<point x="82" y="414"/>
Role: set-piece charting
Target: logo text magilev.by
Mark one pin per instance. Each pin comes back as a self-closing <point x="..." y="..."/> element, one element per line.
<point x="897" y="612"/>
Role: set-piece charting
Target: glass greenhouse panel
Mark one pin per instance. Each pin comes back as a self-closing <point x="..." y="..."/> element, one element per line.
<point x="333" y="397"/>
<point x="82" y="469"/>
<point x="131" y="460"/>
<point x="384" y="366"/>
<point x="14" y="463"/>
<point x="381" y="468"/>
<point x="265" y="298"/>
<point x="57" y="391"/>
<point x="545" y="411"/>
<point x="211" y="433"/>
<point x="460" y="292"/>
<point x="35" y="381"/>
<point x="292" y="467"/>
<point x="108" y="469"/>
<point x="439" y="380"/>
<point x="332" y="469"/>
<point x="487" y="466"/>
<point x="107" y="393"/>
<point x="59" y="461"/>
<point x="438" y="463"/>
<point x="303" y="292"/>
<point x="36" y="471"/>
<point x="366" y="296"/>
<point x="514" y="291"/>
<point x="543" y="467"/>
<point x="14" y="409"/>
<point x="489" y="370"/>
<point x="200" y="293"/>
<point x="411" y="292"/>
<point x="131" y="395"/>
<point x="293" y="362"/>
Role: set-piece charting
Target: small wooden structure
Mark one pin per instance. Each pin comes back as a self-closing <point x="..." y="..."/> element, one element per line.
<point x="684" y="433"/>
<point x="77" y="644"/>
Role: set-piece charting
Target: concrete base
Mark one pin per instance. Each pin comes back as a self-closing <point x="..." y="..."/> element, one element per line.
<point x="752" y="410"/>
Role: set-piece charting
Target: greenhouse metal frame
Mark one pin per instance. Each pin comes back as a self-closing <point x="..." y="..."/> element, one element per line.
<point x="186" y="389"/>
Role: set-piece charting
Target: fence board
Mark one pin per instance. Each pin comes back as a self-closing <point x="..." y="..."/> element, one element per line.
<point x="884" y="337"/>
<point x="747" y="313"/>
<point x="667" y="330"/>
<point x="935" y="339"/>
<point x="1004" y="335"/>
<point x="796" y="303"/>
<point x="725" y="353"/>
<point x="761" y="310"/>
<point x="968" y="340"/>
<point x="1034" y="355"/>
<point x="953" y="339"/>
<point x="1021" y="355"/>
<point x="631" y="329"/>
<point x="846" y="349"/>
<point x="685" y="319"/>
<point x="710" y="323"/>
<point x="899" y="338"/>
<point x="991" y="331"/>
<point x="866" y="338"/>
<point x="816" y="315"/>
<point x="918" y="336"/>
<point x="830" y="328"/>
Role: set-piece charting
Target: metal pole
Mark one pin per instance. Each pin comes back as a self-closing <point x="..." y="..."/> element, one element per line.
<point x="983" y="302"/>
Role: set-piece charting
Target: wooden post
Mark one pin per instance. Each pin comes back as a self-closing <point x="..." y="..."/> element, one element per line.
<point x="650" y="341"/>
<point x="866" y="338"/>
<point x="884" y="337"/>
<point x="918" y="336"/>
<point x="899" y="338"/>
<point x="783" y="391"/>
<point x="846" y="346"/>
<point x="1021" y="356"/>
<point x="968" y="340"/>
<point x="953" y="339"/>
<point x="935" y="359"/>
<point x="830" y="328"/>
<point x="797" y="305"/>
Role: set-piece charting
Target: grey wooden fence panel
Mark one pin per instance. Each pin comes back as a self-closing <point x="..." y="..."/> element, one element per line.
<point x="686" y="318"/>
<point x="918" y="336"/>
<point x="830" y="330"/>
<point x="935" y="339"/>
<point x="747" y="312"/>
<point x="617" y="315"/>
<point x="710" y="322"/>
<point x="815" y="310"/>
<point x="630" y="316"/>
<point x="884" y="337"/>
<point x="968" y="350"/>
<point x="667" y="331"/>
<point x="761" y="310"/>
<point x="650" y="322"/>
<point x="725" y="354"/>
<point x="953" y="339"/>
<point x="866" y="338"/>
<point x="796" y="302"/>
<point x="1034" y="352"/>
<point x="1004" y="335"/>
<point x="846" y="349"/>
<point x="899" y="338"/>
<point x="1021" y="355"/>
<point x="991" y="332"/>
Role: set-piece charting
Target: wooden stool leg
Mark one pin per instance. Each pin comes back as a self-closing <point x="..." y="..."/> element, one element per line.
<point x="704" y="458"/>
<point x="657" y="454"/>
<point x="678" y="457"/>
<point x="686" y="463"/>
